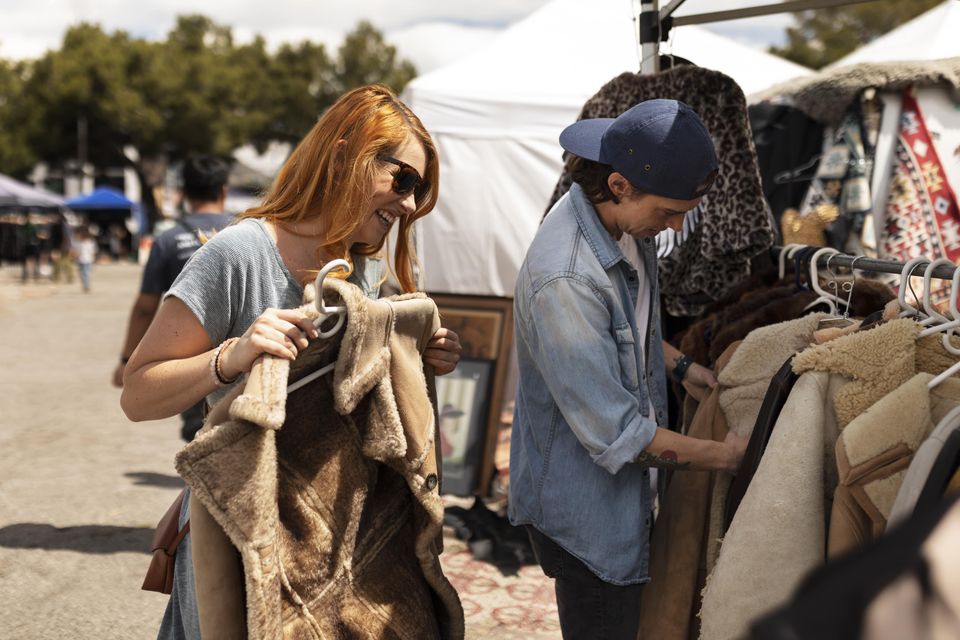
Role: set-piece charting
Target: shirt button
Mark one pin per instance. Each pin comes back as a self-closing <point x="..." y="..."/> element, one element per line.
<point x="431" y="482"/>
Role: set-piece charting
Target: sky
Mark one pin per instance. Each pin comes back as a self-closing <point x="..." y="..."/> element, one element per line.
<point x="428" y="32"/>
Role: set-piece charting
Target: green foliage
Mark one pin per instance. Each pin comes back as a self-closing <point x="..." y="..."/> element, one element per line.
<point x="195" y="92"/>
<point x="826" y="35"/>
<point x="15" y="151"/>
<point x="365" y="58"/>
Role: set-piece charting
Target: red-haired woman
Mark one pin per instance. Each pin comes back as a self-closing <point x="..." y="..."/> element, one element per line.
<point x="366" y="165"/>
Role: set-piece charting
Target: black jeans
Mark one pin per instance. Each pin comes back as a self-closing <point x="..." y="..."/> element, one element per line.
<point x="590" y="609"/>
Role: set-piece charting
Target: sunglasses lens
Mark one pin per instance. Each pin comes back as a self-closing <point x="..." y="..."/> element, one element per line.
<point x="405" y="180"/>
<point x="420" y="192"/>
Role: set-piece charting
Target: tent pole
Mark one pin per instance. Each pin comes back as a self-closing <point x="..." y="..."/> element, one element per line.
<point x="650" y="37"/>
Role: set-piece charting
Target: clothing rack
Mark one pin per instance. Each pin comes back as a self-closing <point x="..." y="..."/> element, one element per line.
<point x="863" y="263"/>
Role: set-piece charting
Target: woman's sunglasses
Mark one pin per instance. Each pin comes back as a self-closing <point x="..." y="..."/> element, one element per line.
<point x="407" y="179"/>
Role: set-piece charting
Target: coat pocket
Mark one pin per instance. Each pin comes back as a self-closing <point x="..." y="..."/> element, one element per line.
<point x="627" y="357"/>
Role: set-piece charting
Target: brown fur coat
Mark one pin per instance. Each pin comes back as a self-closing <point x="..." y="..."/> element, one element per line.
<point x="330" y="496"/>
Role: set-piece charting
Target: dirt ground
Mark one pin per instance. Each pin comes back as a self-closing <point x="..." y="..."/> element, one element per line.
<point x="82" y="488"/>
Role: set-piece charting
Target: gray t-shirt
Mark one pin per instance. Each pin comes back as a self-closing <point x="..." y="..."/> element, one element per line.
<point x="232" y="279"/>
<point x="236" y="276"/>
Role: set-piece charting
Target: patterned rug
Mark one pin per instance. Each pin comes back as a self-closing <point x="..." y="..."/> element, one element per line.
<point x="499" y="607"/>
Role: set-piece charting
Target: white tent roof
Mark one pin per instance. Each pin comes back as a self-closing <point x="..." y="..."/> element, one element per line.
<point x="14" y="193"/>
<point x="496" y="116"/>
<point x="929" y="36"/>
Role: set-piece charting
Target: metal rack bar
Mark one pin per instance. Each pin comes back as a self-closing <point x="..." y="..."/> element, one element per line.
<point x="943" y="272"/>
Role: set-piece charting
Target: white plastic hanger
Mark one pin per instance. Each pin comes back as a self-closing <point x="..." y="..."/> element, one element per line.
<point x="825" y="296"/>
<point x="782" y="259"/>
<point x="955" y="321"/>
<point x="907" y="310"/>
<point x="325" y="312"/>
<point x="933" y="316"/>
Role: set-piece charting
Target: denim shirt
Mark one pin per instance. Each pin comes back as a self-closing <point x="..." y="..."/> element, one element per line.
<point x="582" y="398"/>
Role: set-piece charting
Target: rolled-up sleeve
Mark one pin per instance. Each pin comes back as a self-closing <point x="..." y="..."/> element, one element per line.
<point x="566" y="327"/>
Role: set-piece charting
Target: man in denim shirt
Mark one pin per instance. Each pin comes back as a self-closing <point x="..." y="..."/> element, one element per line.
<point x="592" y="388"/>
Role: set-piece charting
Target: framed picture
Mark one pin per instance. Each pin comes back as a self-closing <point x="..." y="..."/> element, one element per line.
<point x="470" y="398"/>
<point x="462" y="397"/>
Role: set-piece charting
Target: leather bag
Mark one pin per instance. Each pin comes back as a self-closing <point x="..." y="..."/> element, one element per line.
<point x="166" y="539"/>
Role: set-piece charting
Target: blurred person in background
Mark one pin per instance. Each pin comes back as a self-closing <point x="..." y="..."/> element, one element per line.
<point x="205" y="192"/>
<point x="85" y="249"/>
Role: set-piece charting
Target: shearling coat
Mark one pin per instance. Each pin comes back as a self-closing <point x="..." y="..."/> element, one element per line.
<point x="744" y="384"/>
<point x="874" y="452"/>
<point x="682" y="550"/>
<point x="779" y="532"/>
<point x="330" y="495"/>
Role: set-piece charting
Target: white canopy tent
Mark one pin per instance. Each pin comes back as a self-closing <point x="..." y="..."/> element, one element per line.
<point x="496" y="116"/>
<point x="929" y="36"/>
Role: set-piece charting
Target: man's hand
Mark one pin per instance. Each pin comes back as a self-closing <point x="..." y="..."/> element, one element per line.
<point x="443" y="351"/>
<point x="737" y="446"/>
<point x="699" y="381"/>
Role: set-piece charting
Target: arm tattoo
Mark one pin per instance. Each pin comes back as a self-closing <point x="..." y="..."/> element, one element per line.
<point x="666" y="460"/>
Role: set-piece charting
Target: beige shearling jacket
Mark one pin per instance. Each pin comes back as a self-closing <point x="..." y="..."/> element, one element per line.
<point x="317" y="514"/>
<point x="780" y="531"/>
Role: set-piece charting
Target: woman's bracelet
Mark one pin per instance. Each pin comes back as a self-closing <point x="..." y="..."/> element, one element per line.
<point x="215" y="371"/>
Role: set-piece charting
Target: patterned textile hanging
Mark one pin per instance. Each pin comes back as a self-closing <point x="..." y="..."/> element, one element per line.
<point x="922" y="218"/>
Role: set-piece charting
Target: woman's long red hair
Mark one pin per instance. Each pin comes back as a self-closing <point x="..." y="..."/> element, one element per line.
<point x="331" y="181"/>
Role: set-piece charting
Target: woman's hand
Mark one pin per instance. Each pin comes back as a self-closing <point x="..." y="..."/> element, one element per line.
<point x="699" y="381"/>
<point x="443" y="351"/>
<point x="279" y="332"/>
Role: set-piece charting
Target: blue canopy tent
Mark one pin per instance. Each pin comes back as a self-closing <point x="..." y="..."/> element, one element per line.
<point x="101" y="199"/>
<point x="109" y="209"/>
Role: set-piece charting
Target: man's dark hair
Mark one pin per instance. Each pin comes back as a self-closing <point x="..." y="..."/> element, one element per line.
<point x="204" y="177"/>
<point x="592" y="177"/>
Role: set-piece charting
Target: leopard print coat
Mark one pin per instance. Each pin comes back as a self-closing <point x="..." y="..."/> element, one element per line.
<point x="737" y="224"/>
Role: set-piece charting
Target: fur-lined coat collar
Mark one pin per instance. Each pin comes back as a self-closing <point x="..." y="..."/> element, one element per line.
<point x="826" y="95"/>
<point x="331" y="494"/>
<point x="873" y="454"/>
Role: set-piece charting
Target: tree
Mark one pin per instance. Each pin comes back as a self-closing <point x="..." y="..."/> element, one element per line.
<point x="16" y="156"/>
<point x="114" y="100"/>
<point x="365" y="57"/>
<point x="825" y="35"/>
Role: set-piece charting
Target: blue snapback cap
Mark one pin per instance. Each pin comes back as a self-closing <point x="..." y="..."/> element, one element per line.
<point x="661" y="146"/>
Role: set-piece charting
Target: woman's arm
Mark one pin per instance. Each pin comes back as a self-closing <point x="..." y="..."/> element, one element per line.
<point x="170" y="370"/>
